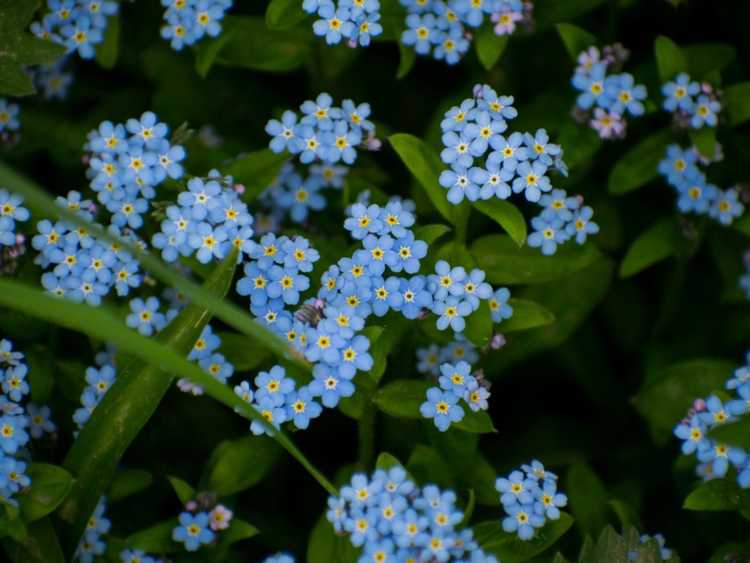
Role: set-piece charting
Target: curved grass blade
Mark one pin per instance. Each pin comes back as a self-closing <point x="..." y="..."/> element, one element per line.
<point x="40" y="202"/>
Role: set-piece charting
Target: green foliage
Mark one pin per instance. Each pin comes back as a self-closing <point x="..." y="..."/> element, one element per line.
<point x="638" y="166"/>
<point x="506" y="215"/>
<point x="325" y="545"/>
<point x="669" y="58"/>
<point x="402" y="398"/>
<point x="718" y="494"/>
<point x="51" y="484"/>
<point x="575" y="39"/>
<point x="588" y="498"/>
<point x="737" y="100"/>
<point x="255" y="454"/>
<point x="283" y="14"/>
<point x="657" y="243"/>
<point x="508" y="548"/>
<point x="526" y="315"/>
<point x="490" y="47"/>
<point x="736" y="433"/>
<point x="128" y="482"/>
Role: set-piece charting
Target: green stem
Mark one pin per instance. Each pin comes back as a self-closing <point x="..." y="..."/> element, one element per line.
<point x="366" y="430"/>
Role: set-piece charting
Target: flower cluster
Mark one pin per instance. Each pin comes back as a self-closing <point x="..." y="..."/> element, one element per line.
<point x="127" y="162"/>
<point x="14" y="421"/>
<point x="81" y="267"/>
<point x="694" y="194"/>
<point x="11" y="210"/>
<point x="393" y="519"/>
<point x="79" y="25"/>
<point x="92" y="545"/>
<point x="208" y="221"/>
<point x="606" y="94"/>
<point x="135" y="556"/>
<point x="516" y="163"/>
<point x="693" y="104"/>
<point x="456" y="383"/>
<point x="52" y="81"/>
<point x="201" y="522"/>
<point x="715" y="458"/>
<point x="204" y="353"/>
<point x="357" y="21"/>
<point x="188" y="21"/>
<point x="438" y="28"/>
<point x="324" y="133"/>
<point x="529" y="497"/>
<point x="9" y="120"/>
<point x="99" y="380"/>
<point x="561" y="219"/>
<point x="430" y="358"/>
<point x="664" y="552"/>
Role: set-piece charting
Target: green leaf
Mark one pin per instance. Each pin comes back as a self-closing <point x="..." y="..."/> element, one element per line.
<point x="428" y="466"/>
<point x="156" y="538"/>
<point x="39" y="546"/>
<point x="588" y="498"/>
<point x="242" y="352"/>
<point x="50" y="485"/>
<point x="431" y="233"/>
<point x="736" y="433"/>
<point x="717" y="495"/>
<point x="560" y="558"/>
<point x="479" y="325"/>
<point x="385" y="461"/>
<point x="184" y="491"/>
<point x="704" y="140"/>
<point x="252" y="45"/>
<point x="41" y="374"/>
<point x="737" y="101"/>
<point x="425" y="165"/>
<point x="575" y="39"/>
<point x="639" y="165"/>
<point x="133" y="398"/>
<point x="506" y="215"/>
<point x="704" y="58"/>
<point x="283" y="14"/>
<point x="490" y="46"/>
<point x="107" y="50"/>
<point x="402" y="398"/>
<point x="238" y="530"/>
<point x="626" y="514"/>
<point x="35" y="51"/>
<point x="382" y="341"/>
<point x="407" y="58"/>
<point x="205" y="57"/>
<point x="325" y="546"/>
<point x="256" y="171"/>
<point x="509" y="549"/>
<point x="669" y="58"/>
<point x="667" y="395"/>
<point x="128" y="482"/>
<point x="526" y="314"/>
<point x="256" y="455"/>
<point x="657" y="243"/>
<point x="478" y="422"/>
<point x="505" y="263"/>
<point x="13" y="80"/>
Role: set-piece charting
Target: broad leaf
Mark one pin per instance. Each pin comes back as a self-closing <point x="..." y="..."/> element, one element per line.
<point x="509" y="549"/>
<point x="736" y="433"/>
<point x="156" y="539"/>
<point x="128" y="482"/>
<point x="490" y="46"/>
<point x="402" y="398"/>
<point x="107" y="50"/>
<point x="256" y="171"/>
<point x="184" y="491"/>
<point x="737" y="102"/>
<point x="431" y="233"/>
<point x="325" y="546"/>
<point x="718" y="494"/>
<point x="50" y="485"/>
<point x="507" y="215"/>
<point x="526" y="315"/>
<point x="657" y="243"/>
<point x="575" y="39"/>
<point x="639" y="165"/>
<point x="283" y="14"/>
<point x="256" y="455"/>
<point x="479" y="325"/>
<point x="669" y="58"/>
<point x="588" y="498"/>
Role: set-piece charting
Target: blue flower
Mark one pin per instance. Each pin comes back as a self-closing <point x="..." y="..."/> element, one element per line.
<point x="273" y="414"/>
<point x="135" y="556"/>
<point x="458" y="147"/>
<point x="461" y="182"/>
<point x="341" y="143"/>
<point x="355" y="356"/>
<point x="549" y="501"/>
<point x="522" y="519"/>
<point x="727" y="207"/>
<point x="548" y="233"/>
<point x="145" y="316"/>
<point x="475" y="288"/>
<point x="531" y="180"/>
<point x="8" y="116"/>
<point x="679" y="93"/>
<point x="193" y="530"/>
<point x="217" y="367"/>
<point x="442" y="407"/>
<point x="581" y="225"/>
<point x="539" y="147"/>
<point x="624" y="94"/>
<point x="457" y="117"/>
<point x="693" y="435"/>
<point x="12" y="433"/>
<point x="704" y="112"/>
<point x="363" y="220"/>
<point x="421" y="32"/>
<point x="499" y="307"/>
<point x="282" y="132"/>
<point x="329" y="386"/>
<point x="516" y="489"/>
<point x="456" y="378"/>
<point x="274" y="385"/>
<point x="334" y="23"/>
<point x="591" y="85"/>
<point x="415" y="296"/>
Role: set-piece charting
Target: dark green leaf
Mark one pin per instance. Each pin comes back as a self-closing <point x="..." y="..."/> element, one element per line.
<point x="35" y="51"/>
<point x="402" y="398"/>
<point x="575" y="39"/>
<point x="479" y="325"/>
<point x="39" y="546"/>
<point x="428" y="466"/>
<point x="50" y="485"/>
<point x="184" y="491"/>
<point x="238" y="530"/>
<point x="424" y="163"/>
<point x="156" y="539"/>
<point x="588" y="498"/>
<point x="107" y="50"/>
<point x="665" y="399"/>
<point x="505" y="263"/>
<point x="128" y="482"/>
<point x="41" y="377"/>
<point x="325" y="546"/>
<point x="669" y="58"/>
<point x="283" y="14"/>
<point x="548" y="12"/>
<point x="704" y="58"/>
<point x="736" y="433"/>
<point x="639" y="165"/>
<point x="407" y="58"/>
<point x="431" y="233"/>
<point x="205" y="57"/>
<point x="657" y="243"/>
<point x="256" y="455"/>
<point x="490" y="46"/>
<point x="737" y="101"/>
<point x="506" y="215"/>
<point x="475" y="422"/>
<point x="718" y="494"/>
<point x="13" y="79"/>
<point x="242" y="352"/>
<point x="256" y="171"/>
<point x="626" y="514"/>
<point x="526" y="315"/>
<point x="385" y="461"/>
<point x="704" y="140"/>
<point x="509" y="549"/>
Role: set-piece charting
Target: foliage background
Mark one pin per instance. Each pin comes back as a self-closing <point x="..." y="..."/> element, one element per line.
<point x="563" y="393"/>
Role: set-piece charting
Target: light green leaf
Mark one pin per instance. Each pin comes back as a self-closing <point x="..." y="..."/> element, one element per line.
<point x="478" y="422"/>
<point x="256" y="455"/>
<point x="431" y="233"/>
<point x="509" y="549"/>
<point x="657" y="243"/>
<point x="402" y="398"/>
<point x="737" y="102"/>
<point x="50" y="484"/>
<point x="424" y="163"/>
<point x="385" y="461"/>
<point x="588" y="498"/>
<point x="717" y="495"/>
<point x="490" y="46"/>
<point x="428" y="466"/>
<point x="666" y="397"/>
<point x="325" y="546"/>
<point x="526" y="314"/>
<point x="639" y="165"/>
<point x="669" y="58"/>
<point x="256" y="171"/>
<point x="283" y="14"/>
<point x="128" y="482"/>
<point x="505" y="263"/>
<point x="184" y="491"/>
<point x="107" y="50"/>
<point x="575" y="39"/>
<point x="505" y="214"/>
